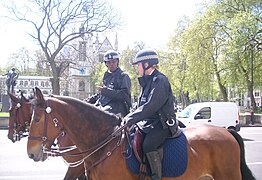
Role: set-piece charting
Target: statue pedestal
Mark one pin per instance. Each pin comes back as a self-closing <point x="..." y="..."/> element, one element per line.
<point x="5" y="103"/>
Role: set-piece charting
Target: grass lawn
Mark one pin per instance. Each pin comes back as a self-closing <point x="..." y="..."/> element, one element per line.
<point x="4" y="114"/>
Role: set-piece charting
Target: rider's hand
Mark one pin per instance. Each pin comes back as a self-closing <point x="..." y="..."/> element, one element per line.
<point x="99" y="88"/>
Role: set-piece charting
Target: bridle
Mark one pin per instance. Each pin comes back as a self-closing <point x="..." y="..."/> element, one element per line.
<point x="64" y="151"/>
<point x="17" y="135"/>
<point x="44" y="138"/>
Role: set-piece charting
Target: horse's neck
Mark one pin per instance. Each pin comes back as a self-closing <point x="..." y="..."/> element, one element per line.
<point x="84" y="131"/>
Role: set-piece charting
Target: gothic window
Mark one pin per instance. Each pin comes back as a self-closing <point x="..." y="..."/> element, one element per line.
<point x="42" y="83"/>
<point x="81" y="86"/>
<point x="36" y="83"/>
<point x="45" y="92"/>
<point x="101" y="57"/>
<point x="31" y="83"/>
<point x="82" y="51"/>
<point x="46" y="84"/>
<point x="26" y="83"/>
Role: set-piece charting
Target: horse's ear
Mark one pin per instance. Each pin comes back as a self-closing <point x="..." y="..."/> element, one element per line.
<point x="38" y="94"/>
<point x="13" y="98"/>
<point x="23" y="99"/>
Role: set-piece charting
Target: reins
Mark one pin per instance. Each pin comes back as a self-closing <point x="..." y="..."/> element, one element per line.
<point x="95" y="148"/>
<point x="118" y="133"/>
<point x="64" y="151"/>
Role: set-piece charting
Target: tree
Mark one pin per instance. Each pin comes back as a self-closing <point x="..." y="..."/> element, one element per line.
<point x="42" y="65"/>
<point x="55" y="23"/>
<point x="173" y="63"/>
<point x="244" y="26"/>
<point x="216" y="47"/>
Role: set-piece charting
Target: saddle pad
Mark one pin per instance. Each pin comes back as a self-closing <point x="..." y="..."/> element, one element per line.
<point x="174" y="160"/>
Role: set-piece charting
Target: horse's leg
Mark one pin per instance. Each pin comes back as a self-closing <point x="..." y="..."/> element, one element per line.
<point x="231" y="171"/>
<point x="112" y="168"/>
<point x="226" y="158"/>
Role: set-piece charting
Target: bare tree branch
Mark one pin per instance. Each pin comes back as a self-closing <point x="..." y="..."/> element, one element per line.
<point x="54" y="25"/>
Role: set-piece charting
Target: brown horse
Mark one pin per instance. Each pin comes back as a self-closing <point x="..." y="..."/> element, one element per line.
<point x="19" y="121"/>
<point x="213" y="152"/>
<point x="19" y="117"/>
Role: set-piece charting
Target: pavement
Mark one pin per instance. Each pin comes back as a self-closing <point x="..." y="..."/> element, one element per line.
<point x="251" y="125"/>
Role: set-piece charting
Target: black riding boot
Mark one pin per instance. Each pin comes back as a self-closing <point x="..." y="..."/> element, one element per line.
<point x="155" y="164"/>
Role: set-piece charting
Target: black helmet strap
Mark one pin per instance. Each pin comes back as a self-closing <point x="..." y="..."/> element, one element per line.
<point x="145" y="68"/>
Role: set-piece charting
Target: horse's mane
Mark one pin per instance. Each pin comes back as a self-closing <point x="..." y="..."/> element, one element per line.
<point x="88" y="110"/>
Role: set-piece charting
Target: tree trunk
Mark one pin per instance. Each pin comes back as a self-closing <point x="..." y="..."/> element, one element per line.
<point x="250" y="89"/>
<point x="222" y="88"/>
<point x="197" y="94"/>
<point x="251" y="95"/>
<point x="55" y="86"/>
<point x="55" y="80"/>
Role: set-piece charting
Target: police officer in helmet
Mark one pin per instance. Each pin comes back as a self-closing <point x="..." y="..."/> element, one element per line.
<point x="155" y="115"/>
<point x="114" y="94"/>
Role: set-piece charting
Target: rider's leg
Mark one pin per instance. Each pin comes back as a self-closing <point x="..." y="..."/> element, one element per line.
<point x="155" y="164"/>
<point x="153" y="141"/>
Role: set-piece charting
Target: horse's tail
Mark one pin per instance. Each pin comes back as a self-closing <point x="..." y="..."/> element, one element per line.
<point x="245" y="171"/>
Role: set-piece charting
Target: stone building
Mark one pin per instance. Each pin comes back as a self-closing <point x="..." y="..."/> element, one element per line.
<point x="27" y="83"/>
<point x="90" y="52"/>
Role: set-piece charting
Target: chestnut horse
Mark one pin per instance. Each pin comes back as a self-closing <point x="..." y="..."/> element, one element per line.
<point x="19" y="117"/>
<point x="19" y="121"/>
<point x="213" y="152"/>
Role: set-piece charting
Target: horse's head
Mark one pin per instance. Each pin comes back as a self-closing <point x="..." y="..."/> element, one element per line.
<point x="19" y="117"/>
<point x="44" y="127"/>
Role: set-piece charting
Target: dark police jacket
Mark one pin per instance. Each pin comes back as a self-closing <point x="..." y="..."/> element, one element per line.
<point x="116" y="93"/>
<point x="156" y="94"/>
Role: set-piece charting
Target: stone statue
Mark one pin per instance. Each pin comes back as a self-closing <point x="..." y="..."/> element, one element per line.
<point x="11" y="77"/>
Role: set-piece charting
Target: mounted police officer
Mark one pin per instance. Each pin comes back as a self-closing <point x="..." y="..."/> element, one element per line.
<point x="155" y="115"/>
<point x="114" y="94"/>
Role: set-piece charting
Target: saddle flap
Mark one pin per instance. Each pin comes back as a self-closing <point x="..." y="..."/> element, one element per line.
<point x="137" y="145"/>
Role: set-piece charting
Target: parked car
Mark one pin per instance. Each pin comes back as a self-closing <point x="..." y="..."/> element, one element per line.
<point x="223" y="114"/>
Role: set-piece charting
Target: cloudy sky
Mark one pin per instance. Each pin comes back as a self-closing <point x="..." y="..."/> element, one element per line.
<point x="144" y="20"/>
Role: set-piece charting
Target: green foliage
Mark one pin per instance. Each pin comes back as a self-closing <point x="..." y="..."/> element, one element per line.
<point x="127" y="57"/>
<point x="97" y="74"/>
<point x="211" y="53"/>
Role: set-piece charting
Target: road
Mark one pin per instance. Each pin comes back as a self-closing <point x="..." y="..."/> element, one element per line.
<point x="253" y="145"/>
<point x="15" y="164"/>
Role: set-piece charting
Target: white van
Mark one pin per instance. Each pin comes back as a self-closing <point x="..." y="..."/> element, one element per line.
<point x="223" y="114"/>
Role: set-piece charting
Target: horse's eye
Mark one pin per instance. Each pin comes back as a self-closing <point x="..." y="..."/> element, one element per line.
<point x="36" y="119"/>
